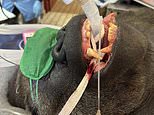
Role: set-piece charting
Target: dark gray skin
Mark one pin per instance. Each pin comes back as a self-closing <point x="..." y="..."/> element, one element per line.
<point x="127" y="82"/>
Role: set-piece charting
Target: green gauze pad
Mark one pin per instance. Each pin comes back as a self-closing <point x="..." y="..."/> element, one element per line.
<point x="37" y="60"/>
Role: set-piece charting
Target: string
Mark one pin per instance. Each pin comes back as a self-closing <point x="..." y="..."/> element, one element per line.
<point x="31" y="89"/>
<point x="99" y="48"/>
<point x="34" y="97"/>
<point x="99" y="75"/>
<point x="36" y="91"/>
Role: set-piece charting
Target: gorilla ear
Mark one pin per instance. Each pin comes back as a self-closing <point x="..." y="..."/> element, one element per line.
<point x="58" y="51"/>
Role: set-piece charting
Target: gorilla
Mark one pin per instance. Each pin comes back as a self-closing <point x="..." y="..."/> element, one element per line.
<point x="127" y="81"/>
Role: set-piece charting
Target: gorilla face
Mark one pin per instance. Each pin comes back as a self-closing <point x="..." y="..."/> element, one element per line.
<point x="123" y="79"/>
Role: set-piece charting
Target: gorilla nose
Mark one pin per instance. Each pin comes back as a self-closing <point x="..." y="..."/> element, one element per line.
<point x="58" y="52"/>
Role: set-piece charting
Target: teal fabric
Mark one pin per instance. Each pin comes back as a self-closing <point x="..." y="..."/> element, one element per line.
<point x="37" y="60"/>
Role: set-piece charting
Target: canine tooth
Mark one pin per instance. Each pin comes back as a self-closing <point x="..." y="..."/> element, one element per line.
<point x="92" y="53"/>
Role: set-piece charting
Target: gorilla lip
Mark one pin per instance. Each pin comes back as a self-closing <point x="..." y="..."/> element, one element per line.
<point x="90" y="45"/>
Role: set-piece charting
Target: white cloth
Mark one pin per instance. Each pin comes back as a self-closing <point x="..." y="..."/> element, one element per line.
<point x="7" y="13"/>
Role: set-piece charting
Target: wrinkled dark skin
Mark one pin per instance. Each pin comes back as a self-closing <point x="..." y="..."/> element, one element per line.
<point x="127" y="82"/>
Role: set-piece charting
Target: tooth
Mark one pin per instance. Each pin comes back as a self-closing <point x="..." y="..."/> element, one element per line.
<point x="112" y="33"/>
<point x="88" y="34"/>
<point x="87" y="21"/>
<point x="107" y="49"/>
<point x="113" y="25"/>
<point x="92" y="53"/>
<point x="87" y="27"/>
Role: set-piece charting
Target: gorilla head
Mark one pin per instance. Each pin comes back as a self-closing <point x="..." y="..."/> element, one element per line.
<point x="125" y="80"/>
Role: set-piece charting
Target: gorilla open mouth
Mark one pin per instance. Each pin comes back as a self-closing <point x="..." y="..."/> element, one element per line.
<point x="90" y="44"/>
<point x="76" y="46"/>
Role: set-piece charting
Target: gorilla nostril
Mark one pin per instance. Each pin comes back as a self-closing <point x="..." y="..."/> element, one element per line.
<point x="58" y="52"/>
